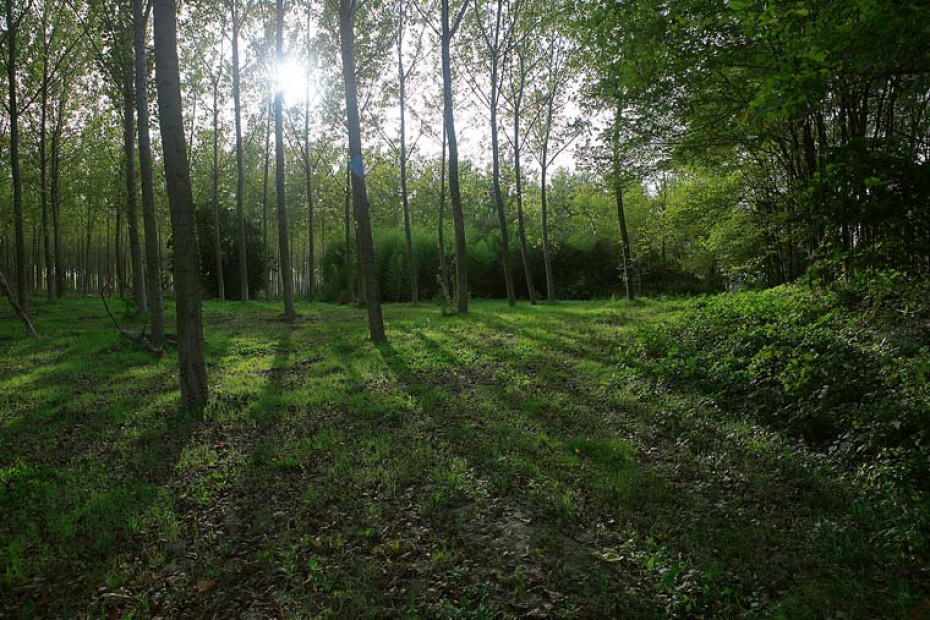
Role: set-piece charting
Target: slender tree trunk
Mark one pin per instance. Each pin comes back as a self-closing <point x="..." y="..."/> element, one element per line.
<point x="402" y="97"/>
<point x="20" y="311"/>
<point x="443" y="267"/>
<point x="132" y="216"/>
<point x="217" y="236"/>
<point x="547" y="250"/>
<point x="120" y="266"/>
<point x="357" y="170"/>
<point x="87" y="247"/>
<point x="621" y="216"/>
<point x="518" y="181"/>
<point x="152" y="251"/>
<point x="287" y="278"/>
<point x="50" y="279"/>
<point x="11" y="36"/>
<point x="308" y="177"/>
<point x="240" y="165"/>
<point x="193" y="373"/>
<point x="458" y="218"/>
<point x="56" y="194"/>
<point x="347" y="223"/>
<point x="496" y="185"/>
<point x="267" y="275"/>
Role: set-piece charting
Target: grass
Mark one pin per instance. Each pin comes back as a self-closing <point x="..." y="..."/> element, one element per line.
<point x="505" y="463"/>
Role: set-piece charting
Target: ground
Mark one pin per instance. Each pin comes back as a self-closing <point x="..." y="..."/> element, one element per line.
<point x="506" y="463"/>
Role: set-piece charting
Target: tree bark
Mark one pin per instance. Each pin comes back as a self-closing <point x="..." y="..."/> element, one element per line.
<point x="152" y="251"/>
<point x="402" y="98"/>
<point x="50" y="279"/>
<point x="287" y="278"/>
<point x="621" y="216"/>
<point x="443" y="267"/>
<point x="308" y="177"/>
<point x="11" y="36"/>
<point x="458" y="218"/>
<point x="240" y="165"/>
<point x="347" y="224"/>
<point x="193" y="373"/>
<point x="357" y="171"/>
<point x="217" y="237"/>
<point x="55" y="192"/>
<point x="132" y="215"/>
<point x="518" y="181"/>
<point x="496" y="186"/>
<point x="267" y="275"/>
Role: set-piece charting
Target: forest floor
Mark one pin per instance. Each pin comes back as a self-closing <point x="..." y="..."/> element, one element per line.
<point x="500" y="464"/>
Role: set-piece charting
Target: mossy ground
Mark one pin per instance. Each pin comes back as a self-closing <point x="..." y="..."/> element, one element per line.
<point x="504" y="463"/>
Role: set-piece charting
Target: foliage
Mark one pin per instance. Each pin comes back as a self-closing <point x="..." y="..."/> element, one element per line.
<point x="229" y="248"/>
<point x="847" y="368"/>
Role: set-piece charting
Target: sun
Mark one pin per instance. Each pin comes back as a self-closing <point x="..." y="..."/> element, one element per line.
<point x="291" y="79"/>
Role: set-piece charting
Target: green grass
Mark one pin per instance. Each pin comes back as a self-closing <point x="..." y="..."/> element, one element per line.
<point x="502" y="463"/>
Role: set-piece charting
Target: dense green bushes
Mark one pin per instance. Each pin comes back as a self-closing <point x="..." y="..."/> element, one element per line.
<point x="582" y="269"/>
<point x="845" y="369"/>
<point x="206" y="240"/>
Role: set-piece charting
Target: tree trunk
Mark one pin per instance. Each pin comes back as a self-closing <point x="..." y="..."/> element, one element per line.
<point x="86" y="287"/>
<point x="240" y="165"/>
<point x="287" y="278"/>
<point x="496" y="187"/>
<point x="50" y="279"/>
<point x="347" y="224"/>
<point x="217" y="237"/>
<point x="120" y="271"/>
<point x="11" y="35"/>
<point x="621" y="216"/>
<point x="193" y="373"/>
<point x="402" y="98"/>
<point x="443" y="267"/>
<point x="20" y="312"/>
<point x="132" y="216"/>
<point x="267" y="275"/>
<point x="518" y="181"/>
<point x="308" y="177"/>
<point x="547" y="251"/>
<point x="357" y="171"/>
<point x="152" y="251"/>
<point x="458" y="218"/>
<point x="55" y="192"/>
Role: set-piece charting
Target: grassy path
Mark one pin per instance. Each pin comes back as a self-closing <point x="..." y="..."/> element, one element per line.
<point x="501" y="464"/>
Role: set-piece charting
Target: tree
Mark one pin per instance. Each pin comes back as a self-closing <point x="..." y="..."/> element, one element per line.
<point x="347" y="12"/>
<point x="448" y="30"/>
<point x="152" y="251"/>
<point x="518" y="79"/>
<point x="550" y="141"/>
<point x="193" y="373"/>
<point x="402" y="76"/>
<point x="239" y="15"/>
<point x="496" y="28"/>
<point x="287" y="278"/>
<point x="14" y="22"/>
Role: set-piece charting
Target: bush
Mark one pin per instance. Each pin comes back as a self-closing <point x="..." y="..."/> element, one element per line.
<point x="229" y="246"/>
<point x="844" y="378"/>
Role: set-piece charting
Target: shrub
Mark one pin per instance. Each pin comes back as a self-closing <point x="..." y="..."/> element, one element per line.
<point x="844" y="378"/>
